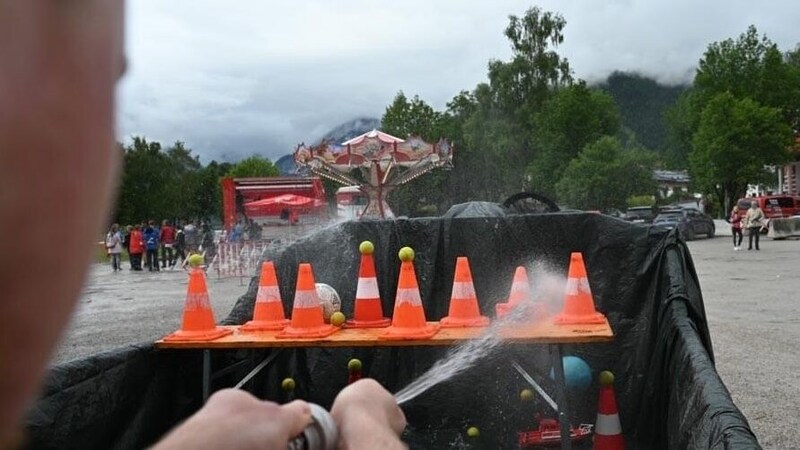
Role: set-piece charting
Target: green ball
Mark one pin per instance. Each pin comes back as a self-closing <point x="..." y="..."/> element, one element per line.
<point x="406" y="254"/>
<point x="473" y="432"/>
<point x="366" y="248"/>
<point x="526" y="395"/>
<point x="196" y="260"/>
<point x="606" y="378"/>
<point x="338" y="318"/>
<point x="288" y="384"/>
<point x="354" y="365"/>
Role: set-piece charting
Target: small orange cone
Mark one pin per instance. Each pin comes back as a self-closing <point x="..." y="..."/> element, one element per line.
<point x="607" y="429"/>
<point x="464" y="311"/>
<point x="198" y="318"/>
<point x="578" y="302"/>
<point x="307" y="318"/>
<point x="520" y="293"/>
<point x="368" y="311"/>
<point x="408" y="321"/>
<point x="268" y="312"/>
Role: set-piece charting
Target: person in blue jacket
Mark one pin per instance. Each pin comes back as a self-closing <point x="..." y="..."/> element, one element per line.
<point x="150" y="236"/>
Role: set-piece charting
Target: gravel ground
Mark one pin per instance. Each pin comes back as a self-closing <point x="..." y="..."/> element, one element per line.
<point x="751" y="301"/>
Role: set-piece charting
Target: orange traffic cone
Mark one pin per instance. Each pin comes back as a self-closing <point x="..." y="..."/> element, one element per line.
<point x="578" y="303"/>
<point x="368" y="311"/>
<point x="464" y="310"/>
<point x="520" y="293"/>
<point x="198" y="318"/>
<point x="408" y="321"/>
<point x="268" y="313"/>
<point x="607" y="429"/>
<point x="307" y="318"/>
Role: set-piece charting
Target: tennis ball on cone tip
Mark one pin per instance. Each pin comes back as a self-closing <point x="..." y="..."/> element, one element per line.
<point x="473" y="432"/>
<point x="338" y="318"/>
<point x="354" y="365"/>
<point x="288" y="384"/>
<point x="196" y="260"/>
<point x="366" y="248"/>
<point x="606" y="378"/>
<point x="406" y="254"/>
<point x="526" y="395"/>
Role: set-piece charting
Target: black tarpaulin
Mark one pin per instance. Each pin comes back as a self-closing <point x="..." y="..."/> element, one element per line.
<point x="642" y="278"/>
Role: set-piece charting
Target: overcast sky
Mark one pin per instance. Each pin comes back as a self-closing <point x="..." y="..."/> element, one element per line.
<point x="236" y="78"/>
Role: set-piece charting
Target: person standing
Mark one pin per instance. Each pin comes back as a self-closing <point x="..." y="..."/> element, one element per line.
<point x="167" y="242"/>
<point x="736" y="228"/>
<point x="114" y="247"/>
<point x="180" y="246"/>
<point x="150" y="237"/>
<point x="754" y="221"/>
<point x="136" y="248"/>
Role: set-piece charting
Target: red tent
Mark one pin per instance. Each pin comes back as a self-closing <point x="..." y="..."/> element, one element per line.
<point x="273" y="206"/>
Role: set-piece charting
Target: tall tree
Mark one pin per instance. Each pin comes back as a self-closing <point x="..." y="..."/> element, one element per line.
<point x="254" y="166"/>
<point x="735" y="141"/>
<point x="403" y="118"/>
<point x="572" y="118"/>
<point x="605" y="175"/>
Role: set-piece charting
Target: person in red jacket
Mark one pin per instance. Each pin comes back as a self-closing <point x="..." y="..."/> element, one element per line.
<point x="137" y="248"/>
<point x="167" y="242"/>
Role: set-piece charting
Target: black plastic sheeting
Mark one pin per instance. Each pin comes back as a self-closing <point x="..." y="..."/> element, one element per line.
<point x="642" y="278"/>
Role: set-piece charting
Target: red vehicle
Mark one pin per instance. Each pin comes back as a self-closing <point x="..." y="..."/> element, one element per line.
<point x="549" y="434"/>
<point x="272" y="198"/>
<point x="773" y="205"/>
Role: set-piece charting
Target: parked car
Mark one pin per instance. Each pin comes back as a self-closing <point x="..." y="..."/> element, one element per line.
<point x="640" y="214"/>
<point x="690" y="222"/>
<point x="772" y="205"/>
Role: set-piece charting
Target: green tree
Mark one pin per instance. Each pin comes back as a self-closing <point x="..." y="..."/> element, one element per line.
<point x="254" y="166"/>
<point x="735" y="140"/>
<point x="572" y="118"/>
<point x="605" y="175"/>
<point x="403" y="118"/>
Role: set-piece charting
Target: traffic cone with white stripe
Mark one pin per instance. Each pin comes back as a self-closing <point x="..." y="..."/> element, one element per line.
<point x="464" y="311"/>
<point x="607" y="429"/>
<point x="198" y="318"/>
<point x="408" y="321"/>
<point x="268" y="312"/>
<point x="367" y="311"/>
<point x="307" y="317"/>
<point x="520" y="293"/>
<point x="578" y="302"/>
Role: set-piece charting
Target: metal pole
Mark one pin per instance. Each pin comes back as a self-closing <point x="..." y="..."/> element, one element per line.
<point x="206" y="374"/>
<point x="561" y="396"/>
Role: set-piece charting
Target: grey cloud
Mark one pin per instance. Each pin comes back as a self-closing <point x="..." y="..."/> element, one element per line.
<point x="265" y="76"/>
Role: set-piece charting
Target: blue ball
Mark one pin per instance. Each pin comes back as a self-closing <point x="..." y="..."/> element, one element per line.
<point x="577" y="374"/>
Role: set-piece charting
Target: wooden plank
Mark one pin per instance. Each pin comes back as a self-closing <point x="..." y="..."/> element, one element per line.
<point x="543" y="333"/>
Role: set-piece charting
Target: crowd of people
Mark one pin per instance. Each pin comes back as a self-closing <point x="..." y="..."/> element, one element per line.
<point x="154" y="247"/>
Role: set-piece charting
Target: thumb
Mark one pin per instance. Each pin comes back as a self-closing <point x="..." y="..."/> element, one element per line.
<point x="294" y="417"/>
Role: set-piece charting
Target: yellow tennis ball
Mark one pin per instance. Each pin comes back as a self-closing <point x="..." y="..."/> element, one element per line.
<point x="338" y="318"/>
<point x="354" y="364"/>
<point x="366" y="248"/>
<point x="526" y="395"/>
<point x="473" y="432"/>
<point x="406" y="254"/>
<point x="606" y="378"/>
<point x="196" y="260"/>
<point x="288" y="384"/>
